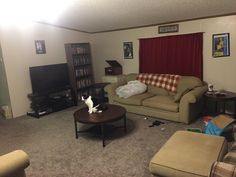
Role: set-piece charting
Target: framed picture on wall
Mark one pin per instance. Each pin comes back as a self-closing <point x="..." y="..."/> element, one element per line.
<point x="220" y="45"/>
<point x="40" y="47"/>
<point x="168" y="28"/>
<point x="128" y="50"/>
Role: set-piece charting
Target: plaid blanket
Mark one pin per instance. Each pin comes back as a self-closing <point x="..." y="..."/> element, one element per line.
<point x="165" y="81"/>
<point x="221" y="169"/>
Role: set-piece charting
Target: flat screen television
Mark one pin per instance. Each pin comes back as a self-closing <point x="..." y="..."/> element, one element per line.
<point x="49" y="78"/>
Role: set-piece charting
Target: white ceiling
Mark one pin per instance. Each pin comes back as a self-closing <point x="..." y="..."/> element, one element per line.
<point x="104" y="15"/>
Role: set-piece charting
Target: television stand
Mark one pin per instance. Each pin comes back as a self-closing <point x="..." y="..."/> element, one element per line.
<point x="48" y="103"/>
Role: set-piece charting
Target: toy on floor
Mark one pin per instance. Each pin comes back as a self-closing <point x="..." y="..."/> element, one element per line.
<point x="217" y="125"/>
<point x="156" y="123"/>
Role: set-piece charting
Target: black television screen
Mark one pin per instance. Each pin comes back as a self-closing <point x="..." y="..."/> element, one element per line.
<point x="49" y="78"/>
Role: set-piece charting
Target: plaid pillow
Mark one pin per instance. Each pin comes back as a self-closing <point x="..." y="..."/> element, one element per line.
<point x="165" y="81"/>
<point x="221" y="169"/>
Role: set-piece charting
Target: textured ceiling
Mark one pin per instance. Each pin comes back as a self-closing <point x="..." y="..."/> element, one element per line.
<point x="105" y="15"/>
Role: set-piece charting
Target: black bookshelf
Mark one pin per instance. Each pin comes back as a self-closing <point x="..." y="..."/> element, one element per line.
<point x="79" y="62"/>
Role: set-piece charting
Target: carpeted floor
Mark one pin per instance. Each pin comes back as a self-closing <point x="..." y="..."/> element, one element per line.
<point x="54" y="151"/>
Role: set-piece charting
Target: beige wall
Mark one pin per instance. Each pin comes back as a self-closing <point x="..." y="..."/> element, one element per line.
<point x="19" y="54"/>
<point x="218" y="71"/>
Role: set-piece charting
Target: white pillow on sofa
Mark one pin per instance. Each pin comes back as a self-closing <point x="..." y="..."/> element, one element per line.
<point x="131" y="88"/>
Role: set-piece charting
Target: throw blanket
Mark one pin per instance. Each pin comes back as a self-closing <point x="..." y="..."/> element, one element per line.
<point x="130" y="89"/>
<point x="212" y="129"/>
<point x="165" y="81"/>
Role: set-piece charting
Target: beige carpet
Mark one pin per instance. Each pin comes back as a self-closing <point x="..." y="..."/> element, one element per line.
<point x="54" y="151"/>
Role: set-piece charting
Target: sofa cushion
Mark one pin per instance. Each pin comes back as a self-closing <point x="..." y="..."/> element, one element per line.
<point x="156" y="90"/>
<point x="188" y="154"/>
<point x="133" y="100"/>
<point x="162" y="102"/>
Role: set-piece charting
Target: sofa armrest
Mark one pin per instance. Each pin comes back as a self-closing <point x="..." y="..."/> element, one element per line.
<point x="194" y="95"/>
<point x="13" y="164"/>
<point x="198" y="92"/>
<point x="221" y="169"/>
<point x="190" y="104"/>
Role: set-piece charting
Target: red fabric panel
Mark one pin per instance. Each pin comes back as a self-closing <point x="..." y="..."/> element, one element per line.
<point x="180" y="54"/>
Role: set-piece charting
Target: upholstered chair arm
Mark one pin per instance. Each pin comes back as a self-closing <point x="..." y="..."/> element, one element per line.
<point x="13" y="164"/>
<point x="221" y="169"/>
<point x="191" y="104"/>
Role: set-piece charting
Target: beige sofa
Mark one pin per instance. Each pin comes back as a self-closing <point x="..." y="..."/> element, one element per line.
<point x="13" y="164"/>
<point x="183" y="106"/>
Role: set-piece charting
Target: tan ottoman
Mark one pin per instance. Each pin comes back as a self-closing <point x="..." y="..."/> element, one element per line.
<point x="188" y="154"/>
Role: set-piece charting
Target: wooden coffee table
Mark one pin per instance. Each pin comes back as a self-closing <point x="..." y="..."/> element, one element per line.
<point x="111" y="114"/>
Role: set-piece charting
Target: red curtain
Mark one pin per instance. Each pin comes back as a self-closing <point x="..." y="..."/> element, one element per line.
<point x="180" y="54"/>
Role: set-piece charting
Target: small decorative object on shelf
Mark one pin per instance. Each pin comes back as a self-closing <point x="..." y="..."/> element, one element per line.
<point x="210" y="88"/>
<point x="79" y="61"/>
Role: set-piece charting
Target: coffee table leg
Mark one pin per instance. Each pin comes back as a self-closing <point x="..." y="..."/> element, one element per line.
<point x="76" y="131"/>
<point x="125" y="130"/>
<point x="103" y="136"/>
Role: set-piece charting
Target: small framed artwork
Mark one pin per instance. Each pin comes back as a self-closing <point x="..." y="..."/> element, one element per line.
<point x="168" y="29"/>
<point x="40" y="47"/>
<point x="220" y="45"/>
<point x="128" y="50"/>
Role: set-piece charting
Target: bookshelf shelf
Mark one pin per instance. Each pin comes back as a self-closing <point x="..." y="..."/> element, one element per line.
<point x="80" y="68"/>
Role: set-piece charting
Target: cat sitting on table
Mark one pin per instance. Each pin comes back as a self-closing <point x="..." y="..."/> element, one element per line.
<point x="92" y="104"/>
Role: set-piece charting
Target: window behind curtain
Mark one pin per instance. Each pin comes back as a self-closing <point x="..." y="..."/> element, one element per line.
<point x="180" y="54"/>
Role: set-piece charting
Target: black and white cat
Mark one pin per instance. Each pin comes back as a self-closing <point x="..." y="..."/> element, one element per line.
<point x="93" y="106"/>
